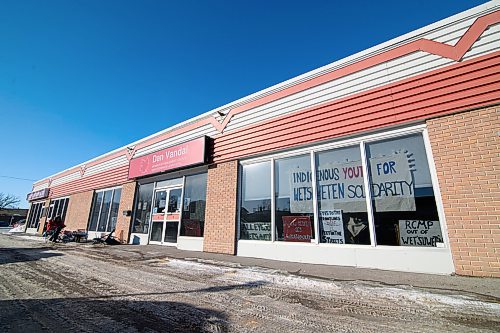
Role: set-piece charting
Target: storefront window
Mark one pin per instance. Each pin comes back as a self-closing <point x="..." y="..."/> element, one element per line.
<point x="404" y="206"/>
<point x="142" y="211"/>
<point x="105" y="210"/>
<point x="35" y="215"/>
<point x="58" y="207"/>
<point x="193" y="212"/>
<point x="255" y="213"/>
<point x="294" y="199"/>
<point x="400" y="189"/>
<point x="343" y="217"/>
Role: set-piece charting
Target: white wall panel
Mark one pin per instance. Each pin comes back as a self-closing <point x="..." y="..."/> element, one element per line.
<point x="67" y="178"/>
<point x="208" y="130"/>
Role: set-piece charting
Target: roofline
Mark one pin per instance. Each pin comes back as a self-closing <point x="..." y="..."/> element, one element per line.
<point x="374" y="50"/>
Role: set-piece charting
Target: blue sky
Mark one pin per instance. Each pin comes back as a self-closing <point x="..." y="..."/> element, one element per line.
<point x="80" y="78"/>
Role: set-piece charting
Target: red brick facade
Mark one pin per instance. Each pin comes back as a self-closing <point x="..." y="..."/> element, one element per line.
<point x="221" y="209"/>
<point x="77" y="215"/>
<point x="466" y="155"/>
<point x="126" y="203"/>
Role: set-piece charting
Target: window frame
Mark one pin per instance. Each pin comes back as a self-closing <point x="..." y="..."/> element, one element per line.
<point x="108" y="215"/>
<point x="361" y="142"/>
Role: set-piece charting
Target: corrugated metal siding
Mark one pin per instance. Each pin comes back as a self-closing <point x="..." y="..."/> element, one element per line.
<point x="461" y="86"/>
<point x="172" y="141"/>
<point x="384" y="73"/>
<point x="104" y="179"/>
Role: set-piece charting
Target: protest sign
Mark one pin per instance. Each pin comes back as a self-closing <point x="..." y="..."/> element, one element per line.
<point x="392" y="183"/>
<point x="256" y="230"/>
<point x="419" y="233"/>
<point x="332" y="230"/>
<point x="297" y="228"/>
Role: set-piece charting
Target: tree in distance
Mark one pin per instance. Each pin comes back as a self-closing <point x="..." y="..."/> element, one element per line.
<point x="8" y="201"/>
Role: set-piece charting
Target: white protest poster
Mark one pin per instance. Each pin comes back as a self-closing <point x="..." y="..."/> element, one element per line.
<point x="420" y="233"/>
<point x="332" y="230"/>
<point x="392" y="183"/>
<point x="339" y="186"/>
<point x="301" y="193"/>
<point x="256" y="230"/>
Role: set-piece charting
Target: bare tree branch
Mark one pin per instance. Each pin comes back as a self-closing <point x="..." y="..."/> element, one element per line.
<point x="8" y="201"/>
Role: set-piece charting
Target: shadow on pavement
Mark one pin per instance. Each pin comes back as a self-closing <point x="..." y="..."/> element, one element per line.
<point x="77" y="314"/>
<point x="15" y="254"/>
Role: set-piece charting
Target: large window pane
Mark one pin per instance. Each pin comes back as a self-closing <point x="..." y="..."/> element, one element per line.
<point x="404" y="206"/>
<point x="193" y="211"/>
<point x="106" y="205"/>
<point x="255" y="213"/>
<point x="96" y="207"/>
<point x="294" y="199"/>
<point x="114" y="209"/>
<point x="142" y="215"/>
<point x="343" y="217"/>
<point x="174" y="201"/>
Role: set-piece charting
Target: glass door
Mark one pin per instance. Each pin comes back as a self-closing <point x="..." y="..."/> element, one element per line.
<point x="166" y="216"/>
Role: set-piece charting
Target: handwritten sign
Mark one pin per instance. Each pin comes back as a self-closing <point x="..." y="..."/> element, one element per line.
<point x="332" y="226"/>
<point x="297" y="228"/>
<point x="256" y="230"/>
<point x="420" y="233"/>
<point x="392" y="183"/>
<point x="341" y="186"/>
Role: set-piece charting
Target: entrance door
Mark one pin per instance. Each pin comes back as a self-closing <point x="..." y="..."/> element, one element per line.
<point x="166" y="216"/>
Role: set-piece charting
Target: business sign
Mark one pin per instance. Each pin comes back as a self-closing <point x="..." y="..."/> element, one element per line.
<point x="420" y="233"/>
<point x="179" y="156"/>
<point x="332" y="226"/>
<point x="41" y="194"/>
<point x="297" y="228"/>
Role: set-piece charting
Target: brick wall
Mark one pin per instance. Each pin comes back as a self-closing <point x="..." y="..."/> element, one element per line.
<point x="126" y="203"/>
<point x="77" y="215"/>
<point x="466" y="154"/>
<point x="220" y="214"/>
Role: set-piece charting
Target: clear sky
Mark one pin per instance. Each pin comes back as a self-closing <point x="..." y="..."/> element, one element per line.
<point x="80" y="78"/>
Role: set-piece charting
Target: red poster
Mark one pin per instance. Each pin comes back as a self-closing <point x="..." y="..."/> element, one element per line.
<point x="184" y="154"/>
<point x="192" y="228"/>
<point x="297" y="228"/>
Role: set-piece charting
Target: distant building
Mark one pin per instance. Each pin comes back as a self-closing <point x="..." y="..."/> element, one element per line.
<point x="12" y="215"/>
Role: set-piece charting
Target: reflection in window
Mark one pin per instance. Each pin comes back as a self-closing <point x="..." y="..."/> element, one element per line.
<point x="404" y="206"/>
<point x="343" y="217"/>
<point x="35" y="215"/>
<point x="294" y="199"/>
<point x="255" y="214"/>
<point x="105" y="210"/>
<point x="142" y="211"/>
<point x="174" y="201"/>
<point x="193" y="211"/>
<point x="160" y="202"/>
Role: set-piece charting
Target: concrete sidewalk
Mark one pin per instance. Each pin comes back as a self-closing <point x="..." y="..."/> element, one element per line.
<point x="487" y="288"/>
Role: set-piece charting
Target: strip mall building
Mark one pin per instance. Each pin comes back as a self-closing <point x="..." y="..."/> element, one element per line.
<point x="386" y="159"/>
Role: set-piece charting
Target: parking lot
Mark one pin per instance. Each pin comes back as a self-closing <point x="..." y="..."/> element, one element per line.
<point x="83" y="287"/>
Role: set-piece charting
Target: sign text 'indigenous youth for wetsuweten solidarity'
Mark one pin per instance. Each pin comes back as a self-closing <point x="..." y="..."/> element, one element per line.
<point x="340" y="186"/>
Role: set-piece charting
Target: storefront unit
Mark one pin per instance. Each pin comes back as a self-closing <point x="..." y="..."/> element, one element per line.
<point x="170" y="205"/>
<point x="370" y="201"/>
<point x="170" y="210"/>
